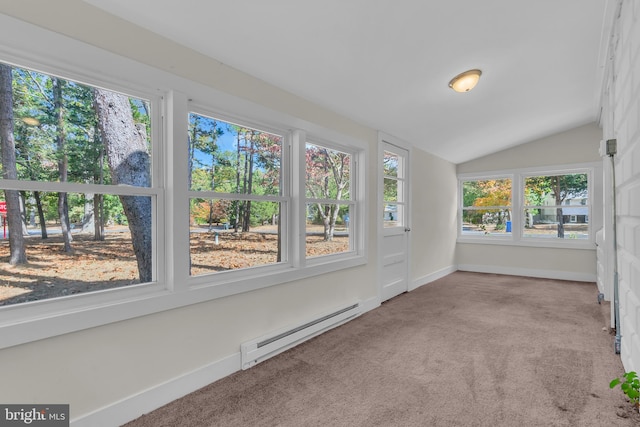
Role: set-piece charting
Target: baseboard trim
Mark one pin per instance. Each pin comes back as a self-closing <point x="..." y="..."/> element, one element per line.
<point x="132" y="407"/>
<point x="529" y="272"/>
<point x="370" y="304"/>
<point x="431" y="277"/>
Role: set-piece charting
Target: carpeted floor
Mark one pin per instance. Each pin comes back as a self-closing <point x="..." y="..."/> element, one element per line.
<point x="467" y="350"/>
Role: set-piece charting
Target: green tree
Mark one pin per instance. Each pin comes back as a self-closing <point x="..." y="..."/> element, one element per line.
<point x="328" y="176"/>
<point x="129" y="161"/>
<point x="17" y="248"/>
<point x="63" y="161"/>
<point x="560" y="188"/>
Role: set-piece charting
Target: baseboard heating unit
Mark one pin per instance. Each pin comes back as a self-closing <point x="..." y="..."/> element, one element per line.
<point x="258" y="350"/>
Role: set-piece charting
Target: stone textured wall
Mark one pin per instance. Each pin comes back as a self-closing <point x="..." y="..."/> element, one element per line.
<point x="621" y="120"/>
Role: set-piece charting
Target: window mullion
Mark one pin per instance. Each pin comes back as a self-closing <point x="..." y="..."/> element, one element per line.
<point x="177" y="201"/>
<point x="298" y="180"/>
<point x="517" y="207"/>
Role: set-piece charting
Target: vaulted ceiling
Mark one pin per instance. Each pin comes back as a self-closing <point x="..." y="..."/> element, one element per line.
<point x="386" y="64"/>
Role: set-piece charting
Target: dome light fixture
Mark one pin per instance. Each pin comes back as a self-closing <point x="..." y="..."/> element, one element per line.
<point x="466" y="81"/>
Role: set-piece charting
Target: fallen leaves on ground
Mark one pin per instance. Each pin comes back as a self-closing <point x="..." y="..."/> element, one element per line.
<point x="99" y="265"/>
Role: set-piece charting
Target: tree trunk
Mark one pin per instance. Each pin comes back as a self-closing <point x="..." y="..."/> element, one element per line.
<point x="128" y="159"/>
<point x="43" y="224"/>
<point x="98" y="202"/>
<point x="23" y="213"/>
<point x="560" y="220"/>
<point x="63" y="165"/>
<point x="89" y="217"/>
<point x="559" y="200"/>
<point x="17" y="249"/>
<point x="249" y="189"/>
<point x="238" y="202"/>
<point x="98" y="214"/>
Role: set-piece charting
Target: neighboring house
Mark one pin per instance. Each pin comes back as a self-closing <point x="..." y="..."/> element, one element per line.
<point x="574" y="211"/>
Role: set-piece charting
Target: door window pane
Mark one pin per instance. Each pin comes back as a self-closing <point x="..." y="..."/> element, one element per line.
<point x="390" y="164"/>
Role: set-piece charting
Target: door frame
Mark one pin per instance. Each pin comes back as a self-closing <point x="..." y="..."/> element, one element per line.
<point x="389" y="139"/>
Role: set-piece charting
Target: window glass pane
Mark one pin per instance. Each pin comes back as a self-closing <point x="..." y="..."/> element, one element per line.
<point x="392" y="187"/>
<point x="571" y="189"/>
<point x="557" y="222"/>
<point x="560" y="206"/>
<point x="486" y="222"/>
<point x="233" y="234"/>
<point x="102" y="253"/>
<point x="490" y="193"/>
<point x="69" y="132"/>
<point x="230" y="158"/>
<point x="393" y="215"/>
<point x="328" y="173"/>
<point x="390" y="164"/>
<point x="327" y="229"/>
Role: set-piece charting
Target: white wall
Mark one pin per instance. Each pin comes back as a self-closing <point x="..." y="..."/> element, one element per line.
<point x="621" y="120"/>
<point x="433" y="217"/>
<point x="112" y="373"/>
<point x="579" y="145"/>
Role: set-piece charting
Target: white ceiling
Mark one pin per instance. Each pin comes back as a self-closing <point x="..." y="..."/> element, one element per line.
<point x="387" y="63"/>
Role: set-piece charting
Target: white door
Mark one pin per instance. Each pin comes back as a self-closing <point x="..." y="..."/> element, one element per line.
<point x="394" y="227"/>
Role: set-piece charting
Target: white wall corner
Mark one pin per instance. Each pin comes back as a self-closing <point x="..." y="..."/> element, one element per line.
<point x="370" y="304"/>
<point x="432" y="277"/>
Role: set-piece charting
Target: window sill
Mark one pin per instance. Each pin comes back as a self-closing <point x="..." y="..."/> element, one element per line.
<point x="28" y="322"/>
<point x="529" y="242"/>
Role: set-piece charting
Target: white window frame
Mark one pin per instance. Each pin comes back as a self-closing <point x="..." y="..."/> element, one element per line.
<point x="354" y="180"/>
<point x="284" y="198"/>
<point x="173" y="98"/>
<point x="518" y="176"/>
<point x="461" y="208"/>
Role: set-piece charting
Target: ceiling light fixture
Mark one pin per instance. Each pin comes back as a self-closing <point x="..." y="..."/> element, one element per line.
<point x="466" y="81"/>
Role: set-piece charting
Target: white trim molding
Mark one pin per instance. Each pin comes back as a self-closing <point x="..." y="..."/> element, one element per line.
<point x="529" y="272"/>
<point x="431" y="277"/>
<point x="134" y="406"/>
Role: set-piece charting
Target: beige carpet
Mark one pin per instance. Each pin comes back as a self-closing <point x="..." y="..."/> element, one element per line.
<point x="467" y="350"/>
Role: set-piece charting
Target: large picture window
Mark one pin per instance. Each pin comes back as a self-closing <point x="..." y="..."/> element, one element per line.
<point x="78" y="198"/>
<point x="236" y="199"/>
<point x="486" y="207"/>
<point x="556" y="206"/>
<point x="329" y="206"/>
<point x="119" y="199"/>
<point x="545" y="207"/>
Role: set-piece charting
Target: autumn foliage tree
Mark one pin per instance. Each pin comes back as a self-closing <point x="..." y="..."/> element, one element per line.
<point x="492" y="194"/>
<point x="327" y="178"/>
